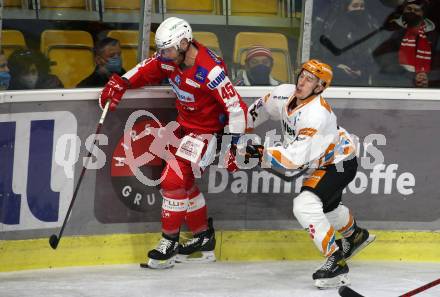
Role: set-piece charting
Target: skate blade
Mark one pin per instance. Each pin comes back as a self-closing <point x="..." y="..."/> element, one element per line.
<point x="369" y="240"/>
<point x="199" y="257"/>
<point x="159" y="264"/>
<point x="334" y="282"/>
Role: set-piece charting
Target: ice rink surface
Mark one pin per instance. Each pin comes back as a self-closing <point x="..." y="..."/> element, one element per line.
<point x="252" y="279"/>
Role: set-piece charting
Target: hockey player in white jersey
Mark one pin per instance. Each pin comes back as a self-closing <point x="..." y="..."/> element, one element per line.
<point x="313" y="139"/>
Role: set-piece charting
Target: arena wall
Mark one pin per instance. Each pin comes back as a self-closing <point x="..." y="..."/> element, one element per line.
<point x="45" y="136"/>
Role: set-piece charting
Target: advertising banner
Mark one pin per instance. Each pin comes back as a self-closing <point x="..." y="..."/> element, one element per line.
<point x="42" y="152"/>
<point x="396" y="178"/>
<point x="35" y="190"/>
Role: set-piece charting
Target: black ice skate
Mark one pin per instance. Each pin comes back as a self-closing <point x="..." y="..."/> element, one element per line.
<point x="164" y="255"/>
<point x="333" y="273"/>
<point x="200" y="248"/>
<point x="355" y="243"/>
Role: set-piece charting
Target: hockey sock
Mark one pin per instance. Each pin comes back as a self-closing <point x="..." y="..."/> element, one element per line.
<point x="173" y="211"/>
<point x="196" y="215"/>
<point x="342" y="220"/>
<point x="308" y="210"/>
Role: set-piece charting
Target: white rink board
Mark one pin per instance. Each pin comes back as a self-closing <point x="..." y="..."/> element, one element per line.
<point x="221" y="279"/>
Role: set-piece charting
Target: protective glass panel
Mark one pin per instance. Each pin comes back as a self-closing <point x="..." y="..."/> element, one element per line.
<point x="70" y="43"/>
<point x="243" y="33"/>
<point x="378" y="43"/>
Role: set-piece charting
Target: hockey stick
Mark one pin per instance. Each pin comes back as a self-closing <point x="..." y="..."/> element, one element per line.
<point x="325" y="41"/>
<point x="421" y="289"/>
<point x="54" y="240"/>
<point x="345" y="291"/>
<point x="283" y="176"/>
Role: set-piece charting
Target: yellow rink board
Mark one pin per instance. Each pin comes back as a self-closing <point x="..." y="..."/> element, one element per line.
<point x="231" y="246"/>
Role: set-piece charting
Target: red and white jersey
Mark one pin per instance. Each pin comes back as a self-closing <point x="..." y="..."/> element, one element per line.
<point x="206" y="99"/>
<point x="312" y="137"/>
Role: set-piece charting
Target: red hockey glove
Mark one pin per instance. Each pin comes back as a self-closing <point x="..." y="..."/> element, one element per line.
<point x="113" y="91"/>
<point x="252" y="151"/>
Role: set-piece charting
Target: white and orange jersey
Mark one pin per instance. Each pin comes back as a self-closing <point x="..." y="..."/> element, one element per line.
<point x="312" y="137"/>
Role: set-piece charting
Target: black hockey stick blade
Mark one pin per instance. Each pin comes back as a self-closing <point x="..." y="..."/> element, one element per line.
<point x="345" y="291"/>
<point x="286" y="176"/>
<point x="143" y="265"/>
<point x="325" y="41"/>
<point x="53" y="241"/>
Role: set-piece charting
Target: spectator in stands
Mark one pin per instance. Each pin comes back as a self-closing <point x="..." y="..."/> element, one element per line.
<point x="108" y="61"/>
<point x="31" y="70"/>
<point x="350" y="22"/>
<point x="258" y="66"/>
<point x="406" y="58"/>
<point x="5" y="76"/>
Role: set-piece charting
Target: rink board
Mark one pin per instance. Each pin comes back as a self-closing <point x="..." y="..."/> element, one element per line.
<point x="45" y="135"/>
<point x="231" y="246"/>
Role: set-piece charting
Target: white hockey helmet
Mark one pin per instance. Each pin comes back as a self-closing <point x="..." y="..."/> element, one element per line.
<point x="171" y="31"/>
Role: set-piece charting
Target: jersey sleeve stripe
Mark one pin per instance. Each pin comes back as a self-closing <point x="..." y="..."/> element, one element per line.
<point x="307" y="131"/>
<point x="277" y="158"/>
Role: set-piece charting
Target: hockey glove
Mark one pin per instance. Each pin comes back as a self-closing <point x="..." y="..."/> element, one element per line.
<point x="231" y="162"/>
<point x="113" y="91"/>
<point x="230" y="158"/>
<point x="254" y="151"/>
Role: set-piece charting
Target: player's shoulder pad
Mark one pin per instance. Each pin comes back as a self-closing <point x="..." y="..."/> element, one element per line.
<point x="321" y="108"/>
<point x="214" y="57"/>
<point x="216" y="77"/>
<point x="207" y="57"/>
<point x="282" y="92"/>
<point x="316" y="115"/>
<point x="277" y="99"/>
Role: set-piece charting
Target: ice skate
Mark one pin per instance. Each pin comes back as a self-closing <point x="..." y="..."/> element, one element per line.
<point x="200" y="248"/>
<point x="163" y="256"/>
<point x="333" y="273"/>
<point x="355" y="243"/>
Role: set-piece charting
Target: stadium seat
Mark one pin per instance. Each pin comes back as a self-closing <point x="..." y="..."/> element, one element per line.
<point x="122" y="6"/>
<point x="12" y="3"/>
<point x="276" y="42"/>
<point x="209" y="40"/>
<point x="192" y="7"/>
<point x="71" y="53"/>
<point x="64" y="4"/>
<point x="255" y="8"/>
<point x="129" y="40"/>
<point x="11" y="40"/>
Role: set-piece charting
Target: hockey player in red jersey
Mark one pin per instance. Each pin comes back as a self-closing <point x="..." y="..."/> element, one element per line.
<point x="207" y="103"/>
